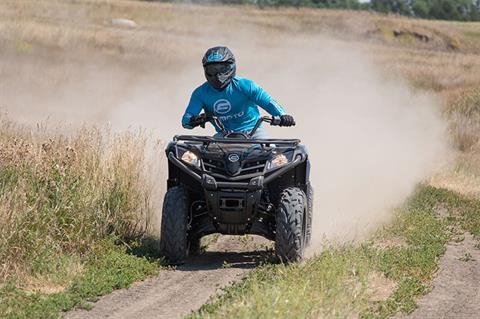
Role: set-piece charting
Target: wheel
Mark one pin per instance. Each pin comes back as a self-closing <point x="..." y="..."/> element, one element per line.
<point x="173" y="236"/>
<point x="290" y="227"/>
<point x="308" y="223"/>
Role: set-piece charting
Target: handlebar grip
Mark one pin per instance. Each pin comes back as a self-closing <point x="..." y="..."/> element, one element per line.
<point x="198" y="120"/>
<point x="275" y="121"/>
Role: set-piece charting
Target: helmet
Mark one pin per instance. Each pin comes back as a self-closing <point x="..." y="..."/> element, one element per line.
<point x="219" y="66"/>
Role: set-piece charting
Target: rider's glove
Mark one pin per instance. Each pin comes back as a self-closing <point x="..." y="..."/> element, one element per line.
<point x="197" y="120"/>
<point x="287" y="120"/>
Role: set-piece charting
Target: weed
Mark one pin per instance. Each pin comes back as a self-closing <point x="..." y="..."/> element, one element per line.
<point x="226" y="265"/>
<point x="207" y="241"/>
<point x="245" y="240"/>
<point x="466" y="257"/>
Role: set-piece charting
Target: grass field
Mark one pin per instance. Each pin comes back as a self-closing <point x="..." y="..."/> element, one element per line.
<point x="374" y="279"/>
<point x="68" y="198"/>
<point x="65" y="202"/>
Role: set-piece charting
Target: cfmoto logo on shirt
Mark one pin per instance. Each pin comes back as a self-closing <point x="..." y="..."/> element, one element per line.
<point x="222" y="106"/>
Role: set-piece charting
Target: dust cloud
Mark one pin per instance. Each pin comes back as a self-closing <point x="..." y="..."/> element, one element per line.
<point x="370" y="139"/>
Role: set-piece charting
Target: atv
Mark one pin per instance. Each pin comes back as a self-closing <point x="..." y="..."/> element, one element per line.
<point x="236" y="185"/>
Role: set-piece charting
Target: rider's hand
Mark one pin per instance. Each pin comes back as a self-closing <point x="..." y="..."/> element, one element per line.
<point x="197" y="120"/>
<point x="287" y="120"/>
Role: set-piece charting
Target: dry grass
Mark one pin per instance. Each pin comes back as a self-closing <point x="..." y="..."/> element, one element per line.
<point x="433" y="55"/>
<point x="60" y="196"/>
<point x="465" y="120"/>
<point x="62" y="24"/>
<point x="380" y="287"/>
<point x="464" y="177"/>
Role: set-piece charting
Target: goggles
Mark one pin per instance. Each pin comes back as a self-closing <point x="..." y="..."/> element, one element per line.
<point x="218" y="68"/>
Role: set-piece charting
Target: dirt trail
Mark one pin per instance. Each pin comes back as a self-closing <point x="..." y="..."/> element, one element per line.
<point x="456" y="289"/>
<point x="175" y="293"/>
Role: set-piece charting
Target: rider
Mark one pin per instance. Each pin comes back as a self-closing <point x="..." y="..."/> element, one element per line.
<point x="231" y="98"/>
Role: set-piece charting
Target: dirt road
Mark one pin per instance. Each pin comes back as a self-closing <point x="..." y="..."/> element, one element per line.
<point x="175" y="293"/>
<point x="456" y="288"/>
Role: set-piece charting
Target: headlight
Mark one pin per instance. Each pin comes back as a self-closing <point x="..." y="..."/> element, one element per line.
<point x="190" y="158"/>
<point x="277" y="161"/>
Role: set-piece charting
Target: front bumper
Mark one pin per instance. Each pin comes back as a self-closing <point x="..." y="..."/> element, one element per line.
<point x="257" y="182"/>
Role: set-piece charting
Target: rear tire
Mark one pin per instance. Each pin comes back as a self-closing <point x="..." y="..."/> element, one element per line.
<point x="173" y="236"/>
<point x="290" y="234"/>
<point x="308" y="230"/>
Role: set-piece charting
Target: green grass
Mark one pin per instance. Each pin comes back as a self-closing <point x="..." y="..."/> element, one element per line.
<point x="109" y="267"/>
<point x="337" y="283"/>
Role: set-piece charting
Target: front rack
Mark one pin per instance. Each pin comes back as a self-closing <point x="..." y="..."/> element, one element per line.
<point x="209" y="139"/>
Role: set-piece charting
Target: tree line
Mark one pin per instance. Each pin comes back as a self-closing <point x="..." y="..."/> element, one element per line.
<point x="461" y="10"/>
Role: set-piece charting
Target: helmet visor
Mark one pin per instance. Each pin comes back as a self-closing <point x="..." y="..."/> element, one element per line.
<point x="218" y="68"/>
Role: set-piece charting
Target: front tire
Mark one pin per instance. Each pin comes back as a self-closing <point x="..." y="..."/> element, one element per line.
<point x="173" y="236"/>
<point x="290" y="232"/>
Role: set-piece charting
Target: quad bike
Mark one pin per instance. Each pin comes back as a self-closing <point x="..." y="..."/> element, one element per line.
<point x="236" y="185"/>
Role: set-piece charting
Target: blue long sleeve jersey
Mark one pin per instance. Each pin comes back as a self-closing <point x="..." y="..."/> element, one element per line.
<point x="236" y="106"/>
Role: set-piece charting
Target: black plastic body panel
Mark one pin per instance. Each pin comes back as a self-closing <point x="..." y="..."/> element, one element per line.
<point x="240" y="204"/>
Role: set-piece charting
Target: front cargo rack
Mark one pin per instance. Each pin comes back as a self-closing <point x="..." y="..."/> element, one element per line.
<point x="222" y="140"/>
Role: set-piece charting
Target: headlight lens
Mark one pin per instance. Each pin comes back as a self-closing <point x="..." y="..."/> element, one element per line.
<point x="277" y="161"/>
<point x="190" y="158"/>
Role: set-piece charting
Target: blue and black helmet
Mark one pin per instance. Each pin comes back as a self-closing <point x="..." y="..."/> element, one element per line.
<point x="219" y="66"/>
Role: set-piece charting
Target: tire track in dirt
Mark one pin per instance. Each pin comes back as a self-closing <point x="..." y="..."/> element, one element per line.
<point x="175" y="293"/>
<point x="456" y="288"/>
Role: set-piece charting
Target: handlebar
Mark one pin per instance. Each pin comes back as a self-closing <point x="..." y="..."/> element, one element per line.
<point x="273" y="120"/>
